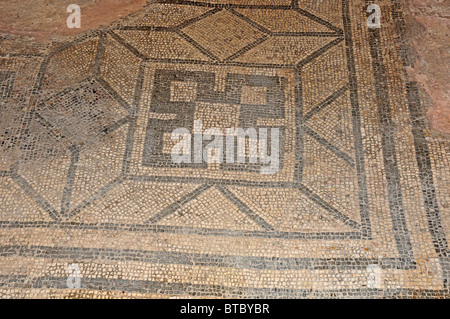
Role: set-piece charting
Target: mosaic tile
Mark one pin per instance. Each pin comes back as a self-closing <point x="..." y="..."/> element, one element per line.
<point x="358" y="206"/>
<point x="161" y="45"/>
<point x="167" y="15"/>
<point x="223" y="33"/>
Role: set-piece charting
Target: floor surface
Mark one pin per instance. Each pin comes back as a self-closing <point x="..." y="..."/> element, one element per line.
<point x="93" y="205"/>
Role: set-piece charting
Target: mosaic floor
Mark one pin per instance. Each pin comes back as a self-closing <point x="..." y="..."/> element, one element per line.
<point x="358" y="207"/>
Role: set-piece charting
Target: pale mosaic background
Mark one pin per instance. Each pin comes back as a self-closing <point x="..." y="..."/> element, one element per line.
<point x="86" y="176"/>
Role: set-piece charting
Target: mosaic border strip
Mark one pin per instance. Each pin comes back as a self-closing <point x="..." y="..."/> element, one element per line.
<point x="440" y="241"/>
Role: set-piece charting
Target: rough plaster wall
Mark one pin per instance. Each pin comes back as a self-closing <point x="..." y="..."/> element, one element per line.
<point x="42" y="19"/>
<point x="428" y="32"/>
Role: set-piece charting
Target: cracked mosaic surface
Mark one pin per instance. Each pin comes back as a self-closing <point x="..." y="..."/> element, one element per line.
<point x="86" y="176"/>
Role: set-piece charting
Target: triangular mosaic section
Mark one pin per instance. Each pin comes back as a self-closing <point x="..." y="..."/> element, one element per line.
<point x="99" y="165"/>
<point x="161" y="45"/>
<point x="170" y="16"/>
<point x="289" y="210"/>
<point x="331" y="178"/>
<point x="48" y="178"/>
<point x="334" y="123"/>
<point x="211" y="210"/>
<point x="19" y="206"/>
<point x="283" y="20"/>
<point x="328" y="10"/>
<point x="133" y="202"/>
<point x="325" y="75"/>
<point x="120" y="69"/>
<point x="44" y="164"/>
<point x="284" y="50"/>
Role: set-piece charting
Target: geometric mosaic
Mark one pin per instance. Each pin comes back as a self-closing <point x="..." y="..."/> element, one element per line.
<point x="86" y="175"/>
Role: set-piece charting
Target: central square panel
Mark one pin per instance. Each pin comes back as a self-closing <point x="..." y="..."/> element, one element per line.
<point x="190" y="97"/>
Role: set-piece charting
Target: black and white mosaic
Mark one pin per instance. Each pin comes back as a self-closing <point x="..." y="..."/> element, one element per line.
<point x="358" y="206"/>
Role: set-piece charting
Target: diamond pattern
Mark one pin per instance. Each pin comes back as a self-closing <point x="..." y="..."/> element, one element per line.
<point x="223" y="34"/>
